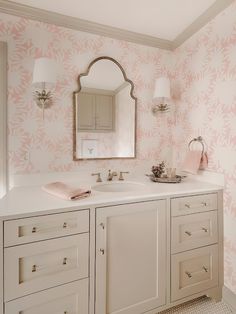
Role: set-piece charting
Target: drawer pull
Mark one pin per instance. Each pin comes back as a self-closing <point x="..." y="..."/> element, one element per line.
<point x="187" y="205"/>
<point x="188" y="233"/>
<point x="65" y="225"/>
<point x="34" y="230"/>
<point x="191" y="233"/>
<point x="64" y="260"/>
<point x="34" y="268"/>
<point x="102" y="251"/>
<point x="190" y="275"/>
<point x="204" y="204"/>
<point x="205" y="269"/>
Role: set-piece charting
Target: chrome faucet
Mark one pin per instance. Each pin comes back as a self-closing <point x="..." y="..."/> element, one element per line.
<point x="111" y="175"/>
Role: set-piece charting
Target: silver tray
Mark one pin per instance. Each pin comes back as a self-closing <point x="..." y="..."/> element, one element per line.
<point x="176" y="179"/>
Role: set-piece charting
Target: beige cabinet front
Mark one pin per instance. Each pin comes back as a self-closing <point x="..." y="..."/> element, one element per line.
<point x="34" y="267"/>
<point x="131" y="257"/>
<point x="71" y="298"/>
<point x="193" y="231"/>
<point x="194" y="271"/>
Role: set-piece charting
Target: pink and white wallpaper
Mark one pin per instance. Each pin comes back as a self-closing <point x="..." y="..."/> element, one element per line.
<point x="203" y="71"/>
<point x="45" y="146"/>
<point x="205" y="85"/>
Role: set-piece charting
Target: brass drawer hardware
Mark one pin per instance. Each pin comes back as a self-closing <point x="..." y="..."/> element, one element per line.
<point x="65" y="261"/>
<point x="34" y="268"/>
<point x="65" y="225"/>
<point x="190" y="275"/>
<point x="102" y="251"/>
<point x="34" y="230"/>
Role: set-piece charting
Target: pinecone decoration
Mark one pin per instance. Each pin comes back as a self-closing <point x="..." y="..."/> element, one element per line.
<point x="158" y="170"/>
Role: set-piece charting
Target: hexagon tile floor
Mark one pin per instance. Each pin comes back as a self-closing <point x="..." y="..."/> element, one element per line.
<point x="200" y="306"/>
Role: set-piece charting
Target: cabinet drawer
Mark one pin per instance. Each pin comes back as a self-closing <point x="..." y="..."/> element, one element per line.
<point x="193" y="204"/>
<point x="45" y="227"/>
<point x="69" y="298"/>
<point x="194" y="271"/>
<point x="33" y="267"/>
<point x="193" y="231"/>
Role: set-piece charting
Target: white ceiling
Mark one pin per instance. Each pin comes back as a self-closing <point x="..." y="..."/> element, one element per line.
<point x="165" y="19"/>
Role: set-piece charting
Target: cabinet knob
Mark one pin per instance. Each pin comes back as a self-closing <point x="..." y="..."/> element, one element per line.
<point x="64" y="260"/>
<point x="204" y="204"/>
<point x="102" y="225"/>
<point x="34" y="268"/>
<point x="102" y="251"/>
<point x="65" y="225"/>
<point x="187" y="205"/>
<point x="34" y="229"/>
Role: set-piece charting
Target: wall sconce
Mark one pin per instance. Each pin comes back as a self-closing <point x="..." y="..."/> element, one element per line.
<point x="162" y="91"/>
<point x="44" y="78"/>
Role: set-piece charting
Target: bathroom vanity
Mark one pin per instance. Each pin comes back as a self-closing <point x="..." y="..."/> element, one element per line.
<point x="140" y="251"/>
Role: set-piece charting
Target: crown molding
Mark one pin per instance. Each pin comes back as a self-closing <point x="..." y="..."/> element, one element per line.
<point x="202" y="20"/>
<point x="13" y="8"/>
<point x="28" y="12"/>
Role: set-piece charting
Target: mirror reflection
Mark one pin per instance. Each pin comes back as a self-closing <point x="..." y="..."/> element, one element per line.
<point x="104" y="112"/>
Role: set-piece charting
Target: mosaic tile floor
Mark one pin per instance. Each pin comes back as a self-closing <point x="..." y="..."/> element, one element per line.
<point x="200" y="306"/>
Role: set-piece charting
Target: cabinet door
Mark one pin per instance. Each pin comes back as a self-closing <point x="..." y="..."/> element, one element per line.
<point x="86" y="111"/>
<point x="104" y="112"/>
<point x="131" y="258"/>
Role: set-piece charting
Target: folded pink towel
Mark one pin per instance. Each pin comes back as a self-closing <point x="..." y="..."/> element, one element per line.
<point x="65" y="191"/>
<point x="192" y="161"/>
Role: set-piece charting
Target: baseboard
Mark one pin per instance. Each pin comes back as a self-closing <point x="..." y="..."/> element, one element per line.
<point x="230" y="298"/>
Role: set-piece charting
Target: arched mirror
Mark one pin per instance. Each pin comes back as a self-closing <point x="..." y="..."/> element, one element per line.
<point x="104" y="112"/>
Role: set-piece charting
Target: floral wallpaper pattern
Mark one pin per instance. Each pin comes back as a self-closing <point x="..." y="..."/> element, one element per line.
<point x="205" y="104"/>
<point x="46" y="146"/>
<point x="203" y="72"/>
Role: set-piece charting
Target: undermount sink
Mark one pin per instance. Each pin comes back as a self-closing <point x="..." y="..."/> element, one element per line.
<point x="118" y="187"/>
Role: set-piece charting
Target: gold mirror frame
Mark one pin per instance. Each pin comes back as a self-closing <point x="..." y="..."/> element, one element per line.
<point x="75" y="158"/>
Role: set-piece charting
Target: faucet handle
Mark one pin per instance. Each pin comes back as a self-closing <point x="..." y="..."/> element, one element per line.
<point x="121" y="178"/>
<point x="99" y="179"/>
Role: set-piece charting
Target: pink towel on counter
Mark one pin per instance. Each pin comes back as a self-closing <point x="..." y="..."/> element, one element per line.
<point x="192" y="161"/>
<point x="65" y="191"/>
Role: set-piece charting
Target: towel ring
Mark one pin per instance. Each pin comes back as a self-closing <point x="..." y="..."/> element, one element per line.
<point x="198" y="139"/>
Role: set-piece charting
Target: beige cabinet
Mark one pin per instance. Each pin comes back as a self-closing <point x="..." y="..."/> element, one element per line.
<point x="194" y="271"/>
<point x="37" y="266"/>
<point x="131" y="258"/>
<point x="95" y="112"/>
<point x="66" y="299"/>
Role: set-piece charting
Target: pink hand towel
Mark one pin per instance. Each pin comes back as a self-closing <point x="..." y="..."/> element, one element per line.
<point x="204" y="161"/>
<point x="192" y="161"/>
<point x="65" y="191"/>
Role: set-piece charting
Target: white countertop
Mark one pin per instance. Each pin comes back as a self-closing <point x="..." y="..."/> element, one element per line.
<point x="32" y="201"/>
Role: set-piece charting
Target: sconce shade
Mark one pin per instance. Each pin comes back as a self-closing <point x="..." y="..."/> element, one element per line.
<point x="44" y="71"/>
<point x="162" y="88"/>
